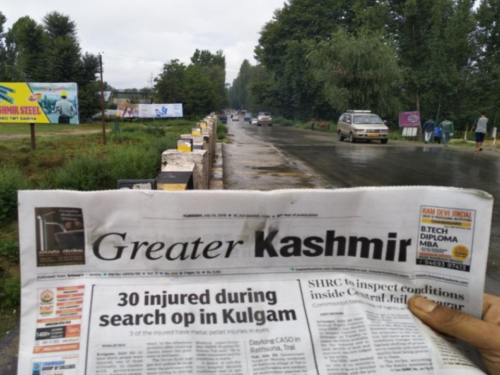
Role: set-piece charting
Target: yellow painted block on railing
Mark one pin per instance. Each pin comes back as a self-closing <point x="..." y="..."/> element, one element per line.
<point x="195" y="132"/>
<point x="185" y="145"/>
<point x="171" y="187"/>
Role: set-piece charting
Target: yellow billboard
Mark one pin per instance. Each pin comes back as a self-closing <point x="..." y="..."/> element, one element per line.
<point x="38" y="103"/>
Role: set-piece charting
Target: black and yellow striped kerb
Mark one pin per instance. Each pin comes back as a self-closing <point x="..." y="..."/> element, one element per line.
<point x="174" y="181"/>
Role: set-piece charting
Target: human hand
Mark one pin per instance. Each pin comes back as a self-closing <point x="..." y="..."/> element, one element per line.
<point x="483" y="334"/>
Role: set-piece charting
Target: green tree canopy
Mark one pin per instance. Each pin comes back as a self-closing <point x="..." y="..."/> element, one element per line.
<point x="357" y="72"/>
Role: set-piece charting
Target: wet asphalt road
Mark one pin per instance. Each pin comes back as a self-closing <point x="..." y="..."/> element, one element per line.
<point x="305" y="159"/>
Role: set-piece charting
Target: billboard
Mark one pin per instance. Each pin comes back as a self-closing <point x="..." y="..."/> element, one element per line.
<point x="409" y="119"/>
<point x="38" y="103"/>
<point x="150" y="110"/>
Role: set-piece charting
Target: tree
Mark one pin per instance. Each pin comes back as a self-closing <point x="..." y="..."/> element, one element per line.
<point x="200" y="92"/>
<point x="214" y="64"/>
<point x="63" y="51"/>
<point x="88" y="86"/>
<point x="169" y="85"/>
<point x="26" y="51"/>
<point x="3" y="49"/>
<point x="488" y="63"/>
<point x="357" y="72"/>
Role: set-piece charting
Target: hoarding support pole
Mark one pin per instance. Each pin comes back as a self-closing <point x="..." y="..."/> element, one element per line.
<point x="32" y="130"/>
<point x="103" y="117"/>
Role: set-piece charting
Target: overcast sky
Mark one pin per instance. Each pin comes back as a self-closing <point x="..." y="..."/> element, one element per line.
<point x="137" y="37"/>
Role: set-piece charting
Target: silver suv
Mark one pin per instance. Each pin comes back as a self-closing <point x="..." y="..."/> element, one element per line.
<point x="364" y="125"/>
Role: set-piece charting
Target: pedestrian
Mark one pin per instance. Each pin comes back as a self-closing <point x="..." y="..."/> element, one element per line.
<point x="429" y="127"/>
<point x="448" y="129"/>
<point x="313" y="122"/>
<point x="481" y="128"/>
<point x="437" y="135"/>
<point x="65" y="109"/>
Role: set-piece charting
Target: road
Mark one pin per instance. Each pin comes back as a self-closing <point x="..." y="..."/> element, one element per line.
<point x="267" y="158"/>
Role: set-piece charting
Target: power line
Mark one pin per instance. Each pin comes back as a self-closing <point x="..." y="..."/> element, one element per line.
<point x="134" y="57"/>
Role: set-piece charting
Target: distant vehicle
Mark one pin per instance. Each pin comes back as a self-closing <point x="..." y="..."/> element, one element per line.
<point x="254" y="121"/>
<point x="223" y="119"/>
<point x="362" y="125"/>
<point x="236" y="117"/>
<point x="247" y="117"/>
<point x="264" y="118"/>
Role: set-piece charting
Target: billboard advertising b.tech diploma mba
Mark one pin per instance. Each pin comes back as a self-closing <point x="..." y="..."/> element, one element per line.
<point x="38" y="103"/>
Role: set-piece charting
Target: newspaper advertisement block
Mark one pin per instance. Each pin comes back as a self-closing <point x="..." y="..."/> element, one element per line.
<point x="284" y="282"/>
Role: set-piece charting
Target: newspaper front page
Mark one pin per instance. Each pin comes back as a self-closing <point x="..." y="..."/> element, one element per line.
<point x="248" y="283"/>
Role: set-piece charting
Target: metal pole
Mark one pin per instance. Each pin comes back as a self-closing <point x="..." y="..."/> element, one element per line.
<point x="102" y="103"/>
<point x="32" y="131"/>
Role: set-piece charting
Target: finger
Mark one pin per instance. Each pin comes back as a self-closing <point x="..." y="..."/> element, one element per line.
<point x="491" y="309"/>
<point x="476" y="332"/>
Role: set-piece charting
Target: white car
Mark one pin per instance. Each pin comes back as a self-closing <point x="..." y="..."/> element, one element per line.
<point x="264" y="118"/>
<point x="362" y="125"/>
<point x="254" y="121"/>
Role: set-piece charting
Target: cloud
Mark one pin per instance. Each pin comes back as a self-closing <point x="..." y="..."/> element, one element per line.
<point x="137" y="37"/>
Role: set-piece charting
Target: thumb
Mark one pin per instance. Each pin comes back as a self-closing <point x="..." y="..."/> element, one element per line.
<point x="455" y="323"/>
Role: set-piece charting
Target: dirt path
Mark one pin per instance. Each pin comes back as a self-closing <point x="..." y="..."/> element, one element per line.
<point x="72" y="132"/>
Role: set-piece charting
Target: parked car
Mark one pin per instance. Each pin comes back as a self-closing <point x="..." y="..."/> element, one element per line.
<point x="223" y="119"/>
<point x="254" y="121"/>
<point x="362" y="125"/>
<point x="264" y="118"/>
<point x="247" y="117"/>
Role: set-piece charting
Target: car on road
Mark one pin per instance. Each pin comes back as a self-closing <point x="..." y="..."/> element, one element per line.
<point x="254" y="121"/>
<point x="247" y="117"/>
<point x="362" y="125"/>
<point x="223" y="119"/>
<point x="264" y="118"/>
<point x="235" y="117"/>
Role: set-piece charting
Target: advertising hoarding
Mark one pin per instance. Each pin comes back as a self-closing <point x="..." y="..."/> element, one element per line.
<point x="409" y="119"/>
<point x="149" y="110"/>
<point x="38" y="103"/>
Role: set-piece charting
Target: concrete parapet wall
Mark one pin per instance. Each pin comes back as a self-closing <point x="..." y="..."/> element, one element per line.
<point x="173" y="160"/>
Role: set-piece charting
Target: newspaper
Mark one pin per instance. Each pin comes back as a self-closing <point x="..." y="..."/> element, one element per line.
<point x="284" y="282"/>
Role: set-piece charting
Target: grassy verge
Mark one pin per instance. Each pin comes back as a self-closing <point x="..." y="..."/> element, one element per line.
<point x="222" y="132"/>
<point x="76" y="163"/>
<point x="280" y="121"/>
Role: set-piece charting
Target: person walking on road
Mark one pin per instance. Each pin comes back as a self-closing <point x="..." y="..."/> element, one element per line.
<point x="481" y="128"/>
<point x="437" y="135"/>
<point x="65" y="109"/>
<point x="429" y="127"/>
<point x="448" y="129"/>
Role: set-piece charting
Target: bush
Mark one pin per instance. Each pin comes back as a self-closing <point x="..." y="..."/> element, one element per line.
<point x="281" y="121"/>
<point x="133" y="162"/>
<point x="11" y="181"/>
<point x="221" y="131"/>
<point x="85" y="172"/>
<point x="10" y="292"/>
<point x="9" y="249"/>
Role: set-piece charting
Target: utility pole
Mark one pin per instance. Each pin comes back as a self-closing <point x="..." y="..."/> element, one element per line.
<point x="103" y="113"/>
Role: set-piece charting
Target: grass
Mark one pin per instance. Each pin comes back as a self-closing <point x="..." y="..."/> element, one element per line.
<point x="221" y="132"/>
<point x="80" y="162"/>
